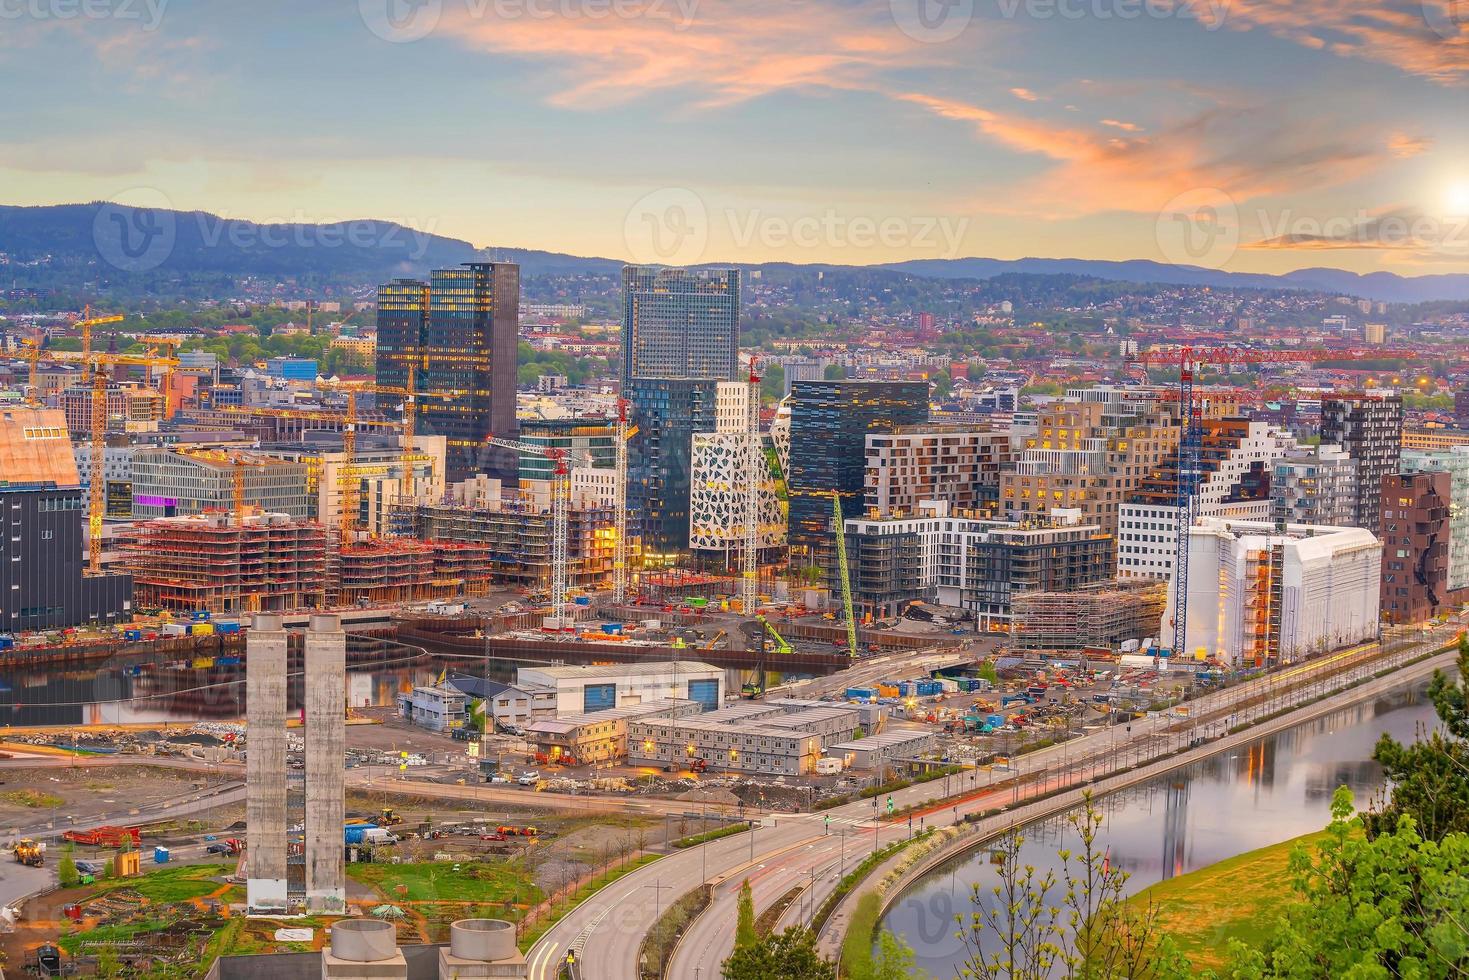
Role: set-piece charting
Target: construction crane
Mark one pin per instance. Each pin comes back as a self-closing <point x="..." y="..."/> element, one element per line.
<point x="1189" y="360"/>
<point x="839" y="528"/>
<point x="32" y="347"/>
<point x="560" y="518"/>
<point x="86" y="323"/>
<point x="624" y="434"/>
<point x="750" y="581"/>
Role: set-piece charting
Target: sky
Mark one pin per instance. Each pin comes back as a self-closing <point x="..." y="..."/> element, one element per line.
<point x="1252" y="135"/>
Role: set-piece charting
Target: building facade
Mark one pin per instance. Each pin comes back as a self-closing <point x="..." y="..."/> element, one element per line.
<point x="1370" y="429"/>
<point x="830" y="423"/>
<point x="1315" y="485"/>
<point x="956" y="464"/>
<point x="1454" y="462"/>
<point x="587" y="689"/>
<point x="1415" y="543"/>
<point x="680" y="323"/>
<point x="1261" y="594"/>
<point x="179" y="482"/>
<point x="668" y="414"/>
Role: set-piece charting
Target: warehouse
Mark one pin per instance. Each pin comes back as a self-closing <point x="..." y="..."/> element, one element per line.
<point x="599" y="736"/>
<point x="773" y="739"/>
<point x="585" y="689"/>
<point x="885" y="749"/>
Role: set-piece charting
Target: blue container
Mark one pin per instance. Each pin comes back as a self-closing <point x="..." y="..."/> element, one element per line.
<point x="225" y="626"/>
<point x="356" y="833"/>
<point x="200" y="615"/>
<point x="160" y="855"/>
<point x="7" y="642"/>
<point x="928" y="688"/>
<point x="860" y="693"/>
<point x="583" y="600"/>
<point x="613" y="628"/>
<point x="132" y="636"/>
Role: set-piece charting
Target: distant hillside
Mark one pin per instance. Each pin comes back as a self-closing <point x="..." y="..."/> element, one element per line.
<point x="121" y="250"/>
<point x="1384" y="287"/>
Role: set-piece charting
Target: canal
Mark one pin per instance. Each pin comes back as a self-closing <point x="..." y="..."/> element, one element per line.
<point x="1269" y="791"/>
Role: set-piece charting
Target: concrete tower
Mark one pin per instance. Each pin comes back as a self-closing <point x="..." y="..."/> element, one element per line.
<point x="326" y="737"/>
<point x="265" y="762"/>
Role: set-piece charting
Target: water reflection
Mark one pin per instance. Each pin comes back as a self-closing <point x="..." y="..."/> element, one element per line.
<point x="1269" y="791"/>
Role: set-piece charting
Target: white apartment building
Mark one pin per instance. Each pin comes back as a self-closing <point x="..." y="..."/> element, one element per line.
<point x="1237" y="459"/>
<point x="956" y="464"/>
<point x="1260" y="596"/>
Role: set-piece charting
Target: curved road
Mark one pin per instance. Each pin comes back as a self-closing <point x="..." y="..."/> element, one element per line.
<point x="792" y="850"/>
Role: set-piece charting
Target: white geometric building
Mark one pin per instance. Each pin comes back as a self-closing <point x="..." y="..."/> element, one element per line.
<point x="1259" y="595"/>
<point x="721" y="461"/>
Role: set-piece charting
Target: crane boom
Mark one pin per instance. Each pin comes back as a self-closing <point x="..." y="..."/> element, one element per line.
<point x="750" y="581"/>
<point x="840" y="530"/>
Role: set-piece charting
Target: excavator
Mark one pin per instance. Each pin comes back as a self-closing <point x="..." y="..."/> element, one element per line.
<point x="761" y="632"/>
<point x="28" y="853"/>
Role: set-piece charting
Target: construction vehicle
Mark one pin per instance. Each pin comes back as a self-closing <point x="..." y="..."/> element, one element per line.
<point x="769" y="638"/>
<point x="699" y="765"/>
<point x="29" y="853"/>
<point x="388" y="817"/>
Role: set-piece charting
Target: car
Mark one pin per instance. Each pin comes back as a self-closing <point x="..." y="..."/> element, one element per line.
<point x="493" y="836"/>
<point x="529" y="778"/>
<point x="501" y="779"/>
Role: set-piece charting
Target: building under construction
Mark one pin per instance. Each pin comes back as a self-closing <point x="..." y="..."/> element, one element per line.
<point x="515" y="541"/>
<point x="230" y="564"/>
<point x="1103" y="616"/>
<point x="373" y="572"/>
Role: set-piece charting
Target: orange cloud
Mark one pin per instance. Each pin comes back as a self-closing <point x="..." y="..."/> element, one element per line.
<point x="1025" y="95"/>
<point x="1428" y="38"/>
<point x="1244" y="154"/>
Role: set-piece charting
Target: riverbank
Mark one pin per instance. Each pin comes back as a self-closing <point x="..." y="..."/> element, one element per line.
<point x="1240" y="898"/>
<point x="992" y="826"/>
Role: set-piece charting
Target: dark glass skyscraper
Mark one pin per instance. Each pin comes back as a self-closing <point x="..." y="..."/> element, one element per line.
<point x="402" y="315"/>
<point x="466" y="345"/>
<point x="680" y="323"/>
<point x="830" y="421"/>
<point x="668" y="413"/>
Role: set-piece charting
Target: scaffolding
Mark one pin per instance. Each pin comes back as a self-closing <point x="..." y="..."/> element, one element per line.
<point x="385" y="572"/>
<point x="515" y="542"/>
<point x="229" y="564"/>
<point x="1101" y="618"/>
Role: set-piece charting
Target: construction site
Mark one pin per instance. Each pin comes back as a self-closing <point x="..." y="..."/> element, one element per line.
<point x="1099" y="618"/>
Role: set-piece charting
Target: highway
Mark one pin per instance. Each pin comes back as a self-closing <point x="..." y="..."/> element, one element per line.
<point x="792" y="850"/>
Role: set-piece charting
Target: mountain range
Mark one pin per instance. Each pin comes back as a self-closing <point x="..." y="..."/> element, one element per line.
<point x="74" y="240"/>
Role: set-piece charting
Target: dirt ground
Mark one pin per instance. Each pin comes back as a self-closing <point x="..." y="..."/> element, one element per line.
<point x="29" y="796"/>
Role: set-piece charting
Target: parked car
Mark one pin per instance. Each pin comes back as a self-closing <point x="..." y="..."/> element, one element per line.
<point x="529" y="778"/>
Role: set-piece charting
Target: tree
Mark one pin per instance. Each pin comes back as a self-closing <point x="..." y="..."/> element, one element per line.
<point x="789" y="955"/>
<point x="66" y="869"/>
<point x="773" y="383"/>
<point x="1394" y="905"/>
<point x="1430" y="778"/>
<point x="1033" y="925"/>
<point x="745" y="934"/>
<point x="834" y="372"/>
<point x="894" y="959"/>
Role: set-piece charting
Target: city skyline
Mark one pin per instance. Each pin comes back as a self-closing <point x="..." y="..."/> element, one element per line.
<point x="852" y="132"/>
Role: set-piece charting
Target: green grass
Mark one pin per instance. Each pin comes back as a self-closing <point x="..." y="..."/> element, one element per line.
<point x="697" y="839"/>
<point x="1240" y="898"/>
<point x="32" y="799"/>
<point x="176" y="884"/>
<point x="427" y="882"/>
<point x="857" y="944"/>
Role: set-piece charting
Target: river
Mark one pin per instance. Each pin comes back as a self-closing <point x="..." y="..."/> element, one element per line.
<point x="1269" y="791"/>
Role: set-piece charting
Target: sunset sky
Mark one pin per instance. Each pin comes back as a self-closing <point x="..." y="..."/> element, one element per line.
<point x="1252" y="134"/>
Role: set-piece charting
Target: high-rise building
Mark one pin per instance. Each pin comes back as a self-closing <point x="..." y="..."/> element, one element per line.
<point x="668" y="413"/>
<point x="1370" y="429"/>
<point x="1415" y="545"/>
<point x="461" y="331"/>
<point x="957" y="464"/>
<point x="1461" y="408"/>
<point x="1315" y="485"/>
<point x="42" y="580"/>
<point x="1262" y="594"/>
<point x="1088" y="451"/>
<point x="680" y="323"/>
<point x="830" y="423"/>
<point x="1454" y="462"/>
<point x="1236" y="458"/>
<point x="402" y="317"/>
